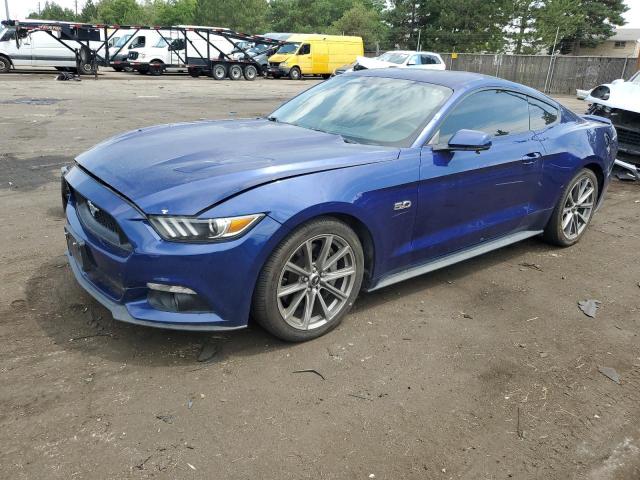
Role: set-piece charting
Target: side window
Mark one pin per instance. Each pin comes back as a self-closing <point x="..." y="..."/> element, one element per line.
<point x="496" y="112"/>
<point x="139" y="42"/>
<point x="8" y="35"/>
<point x="305" y="49"/>
<point x="429" y="60"/>
<point x="414" y="60"/>
<point x="541" y="114"/>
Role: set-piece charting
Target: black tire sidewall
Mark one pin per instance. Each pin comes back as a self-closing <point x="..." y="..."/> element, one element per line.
<point x="293" y="75"/>
<point x="265" y="305"/>
<point x="5" y="64"/>
<point x="238" y="70"/>
<point x="554" y="231"/>
<point x="155" y="69"/>
<point x="218" y="77"/>
<point x="250" y="76"/>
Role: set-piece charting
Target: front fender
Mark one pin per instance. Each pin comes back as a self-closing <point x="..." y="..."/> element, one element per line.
<point x="367" y="193"/>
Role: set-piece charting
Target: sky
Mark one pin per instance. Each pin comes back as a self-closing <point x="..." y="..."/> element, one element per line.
<point x="22" y="8"/>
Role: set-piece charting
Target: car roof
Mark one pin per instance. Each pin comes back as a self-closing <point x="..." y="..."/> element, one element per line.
<point x="409" y="52"/>
<point x="450" y="78"/>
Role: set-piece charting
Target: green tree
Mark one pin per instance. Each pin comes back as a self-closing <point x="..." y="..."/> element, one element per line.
<point x="176" y="12"/>
<point x="444" y="25"/>
<point x="53" y="11"/>
<point x="361" y="21"/>
<point x="580" y="22"/>
<point x="124" y="12"/>
<point x="89" y="12"/>
<point x="248" y="16"/>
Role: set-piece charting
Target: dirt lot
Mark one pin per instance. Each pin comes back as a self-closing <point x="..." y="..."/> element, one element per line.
<point x="486" y="370"/>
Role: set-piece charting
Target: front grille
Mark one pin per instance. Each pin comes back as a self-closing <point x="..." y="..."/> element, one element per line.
<point x="274" y="64"/>
<point x="133" y="55"/>
<point x="100" y="223"/>
<point x="627" y="136"/>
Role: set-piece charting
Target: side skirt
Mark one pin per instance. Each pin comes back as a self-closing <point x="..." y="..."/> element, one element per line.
<point x="455" y="258"/>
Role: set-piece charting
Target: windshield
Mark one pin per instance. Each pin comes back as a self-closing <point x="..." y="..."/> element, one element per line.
<point x="7" y="34"/>
<point x="373" y="110"/>
<point x="288" y="48"/>
<point x="161" y="43"/>
<point x="635" y="79"/>
<point x="122" y="41"/>
<point x="393" y="57"/>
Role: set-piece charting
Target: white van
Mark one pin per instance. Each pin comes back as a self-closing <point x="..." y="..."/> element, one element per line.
<point x="40" y="49"/>
<point x="166" y="53"/>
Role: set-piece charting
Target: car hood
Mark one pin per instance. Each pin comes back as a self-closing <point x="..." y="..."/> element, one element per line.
<point x="623" y="95"/>
<point x="185" y="168"/>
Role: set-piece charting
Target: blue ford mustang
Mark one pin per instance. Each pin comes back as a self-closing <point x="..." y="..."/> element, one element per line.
<point x="362" y="181"/>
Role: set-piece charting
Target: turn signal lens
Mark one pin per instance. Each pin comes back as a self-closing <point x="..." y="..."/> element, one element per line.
<point x="188" y="229"/>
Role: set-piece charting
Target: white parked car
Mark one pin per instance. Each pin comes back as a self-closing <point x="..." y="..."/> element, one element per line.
<point x="397" y="59"/>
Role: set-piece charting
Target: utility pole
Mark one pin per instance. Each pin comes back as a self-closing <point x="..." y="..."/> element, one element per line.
<point x="6" y="7"/>
<point x="76" y="9"/>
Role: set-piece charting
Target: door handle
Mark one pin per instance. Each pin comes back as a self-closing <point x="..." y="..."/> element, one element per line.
<point x="531" y="158"/>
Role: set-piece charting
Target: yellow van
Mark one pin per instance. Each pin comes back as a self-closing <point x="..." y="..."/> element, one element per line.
<point x="313" y="54"/>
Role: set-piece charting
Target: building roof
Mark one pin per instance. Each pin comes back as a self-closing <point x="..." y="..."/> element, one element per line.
<point x="626" y="35"/>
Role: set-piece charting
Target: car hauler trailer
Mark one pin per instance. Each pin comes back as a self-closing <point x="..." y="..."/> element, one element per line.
<point x="200" y="50"/>
<point x="63" y="45"/>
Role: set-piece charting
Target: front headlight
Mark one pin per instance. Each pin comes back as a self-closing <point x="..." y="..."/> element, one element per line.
<point x="189" y="229"/>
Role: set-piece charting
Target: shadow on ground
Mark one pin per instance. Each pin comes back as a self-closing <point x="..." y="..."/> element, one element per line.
<point x="74" y="320"/>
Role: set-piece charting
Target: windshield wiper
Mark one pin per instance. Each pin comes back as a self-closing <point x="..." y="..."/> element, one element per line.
<point x="348" y="139"/>
<point x="272" y="118"/>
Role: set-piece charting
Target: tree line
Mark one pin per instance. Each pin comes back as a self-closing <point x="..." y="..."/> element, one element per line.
<point x="518" y="26"/>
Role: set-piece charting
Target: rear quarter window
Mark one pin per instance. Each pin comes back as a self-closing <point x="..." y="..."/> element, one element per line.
<point x="541" y="114"/>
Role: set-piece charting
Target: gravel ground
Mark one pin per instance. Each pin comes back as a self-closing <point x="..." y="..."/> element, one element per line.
<point x="485" y="370"/>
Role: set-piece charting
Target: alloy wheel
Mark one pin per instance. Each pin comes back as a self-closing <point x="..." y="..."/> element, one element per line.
<point x="316" y="282"/>
<point x="578" y="207"/>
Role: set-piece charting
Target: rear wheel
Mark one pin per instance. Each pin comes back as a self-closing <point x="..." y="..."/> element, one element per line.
<point x="117" y="69"/>
<point x="574" y="210"/>
<point x="295" y="74"/>
<point x="143" y="71"/>
<point x="235" y="72"/>
<point x="310" y="281"/>
<point x="219" y="71"/>
<point x="156" y="68"/>
<point x="87" y="69"/>
<point x="250" y="72"/>
<point x="195" y="72"/>
<point x="5" y="64"/>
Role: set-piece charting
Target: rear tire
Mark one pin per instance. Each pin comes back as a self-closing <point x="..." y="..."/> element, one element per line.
<point x="219" y="71"/>
<point x="156" y="68"/>
<point x="295" y="73"/>
<point x="235" y="72"/>
<point x="574" y="211"/>
<point x="5" y="64"/>
<point x="87" y="69"/>
<point x="250" y="72"/>
<point x="143" y="71"/>
<point x="195" y="72"/>
<point x="117" y="69"/>
<point x="313" y="305"/>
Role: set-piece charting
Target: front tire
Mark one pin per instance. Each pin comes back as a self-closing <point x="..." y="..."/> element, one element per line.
<point x="250" y="72"/>
<point x="574" y="210"/>
<point x="310" y="281"/>
<point x="219" y="71"/>
<point x="295" y="73"/>
<point x="5" y="64"/>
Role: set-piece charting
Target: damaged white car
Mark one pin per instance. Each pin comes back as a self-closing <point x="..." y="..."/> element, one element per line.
<point x="397" y="59"/>
<point x="619" y="101"/>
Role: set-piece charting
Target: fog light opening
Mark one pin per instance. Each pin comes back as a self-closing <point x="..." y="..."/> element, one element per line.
<point x="161" y="287"/>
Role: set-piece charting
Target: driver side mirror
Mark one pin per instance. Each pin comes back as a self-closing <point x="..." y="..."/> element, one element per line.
<point x="466" y="141"/>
